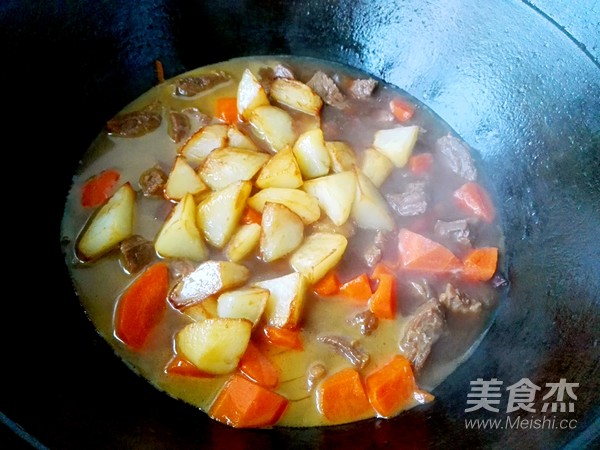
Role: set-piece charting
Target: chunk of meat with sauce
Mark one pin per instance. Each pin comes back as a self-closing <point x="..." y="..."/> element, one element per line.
<point x="366" y="321"/>
<point x="347" y="348"/>
<point x="458" y="302"/>
<point x="192" y="85"/>
<point x="422" y="331"/>
<point x="362" y="88"/>
<point x="136" y="252"/>
<point x="456" y="231"/>
<point x="179" y="126"/>
<point x="326" y="88"/>
<point x="456" y="156"/>
<point x="412" y="202"/>
<point x="152" y="181"/>
<point x="135" y="123"/>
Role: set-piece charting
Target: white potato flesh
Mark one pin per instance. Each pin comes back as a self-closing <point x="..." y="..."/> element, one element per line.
<point x="182" y="180"/>
<point x="243" y="242"/>
<point x="376" y="166"/>
<point x="370" y="210"/>
<point x="296" y="95"/>
<point x="311" y="154"/>
<point x="286" y="299"/>
<point x="250" y="94"/>
<point x="273" y="126"/>
<point x="208" y="279"/>
<point x="397" y="143"/>
<point x="204" y="141"/>
<point x="319" y="253"/>
<point x="215" y="345"/>
<point x="280" y="171"/>
<point x="248" y="303"/>
<point x="303" y="204"/>
<point x="236" y="138"/>
<point x="206" y="309"/>
<point x="282" y="232"/>
<point x="112" y="223"/>
<point x="219" y="213"/>
<point x="335" y="194"/>
<point x="342" y="156"/>
<point x="230" y="164"/>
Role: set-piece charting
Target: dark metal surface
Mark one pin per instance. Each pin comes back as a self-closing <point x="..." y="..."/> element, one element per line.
<point x="518" y="88"/>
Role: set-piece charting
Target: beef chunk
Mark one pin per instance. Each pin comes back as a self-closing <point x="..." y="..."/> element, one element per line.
<point x="136" y="253"/>
<point x="347" y="348"/>
<point x="422" y="331"/>
<point x="411" y="202"/>
<point x="457" y="302"/>
<point x="362" y="88"/>
<point x="457" y="157"/>
<point x="134" y="124"/>
<point x="179" y="268"/>
<point x="366" y="321"/>
<point x="372" y="255"/>
<point x="326" y="88"/>
<point x="457" y="231"/>
<point x="179" y="126"/>
<point x="152" y="181"/>
<point x="190" y="86"/>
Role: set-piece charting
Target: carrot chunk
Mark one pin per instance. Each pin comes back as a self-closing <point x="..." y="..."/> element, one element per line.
<point x="392" y="388"/>
<point x="416" y="252"/>
<point x="381" y="268"/>
<point x="142" y="305"/>
<point x="342" y="397"/>
<point x="480" y="264"/>
<point x="226" y="109"/>
<point x="250" y="215"/>
<point x="402" y="110"/>
<point x="283" y="337"/>
<point x="244" y="404"/>
<point x="473" y="199"/>
<point x="357" y="289"/>
<point x="180" y="366"/>
<point x="420" y="164"/>
<point x="328" y="285"/>
<point x="256" y="366"/>
<point x="99" y="188"/>
<point x="383" y="301"/>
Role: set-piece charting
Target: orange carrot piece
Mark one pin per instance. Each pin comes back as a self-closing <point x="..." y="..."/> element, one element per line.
<point x="226" y="109"/>
<point x="250" y="215"/>
<point x="142" y="305"/>
<point x="99" y="188"/>
<point x="357" y="289"/>
<point x="473" y="199"/>
<point x="181" y="366"/>
<point x="420" y="164"/>
<point x="342" y="397"/>
<point x="402" y="110"/>
<point x="381" y="268"/>
<point x="480" y="264"/>
<point x="392" y="388"/>
<point x="328" y="285"/>
<point x="283" y="337"/>
<point x="416" y="252"/>
<point x="244" y="404"/>
<point x="256" y="366"/>
<point x="383" y="301"/>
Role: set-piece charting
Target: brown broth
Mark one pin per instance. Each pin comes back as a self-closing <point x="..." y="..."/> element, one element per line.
<point x="99" y="284"/>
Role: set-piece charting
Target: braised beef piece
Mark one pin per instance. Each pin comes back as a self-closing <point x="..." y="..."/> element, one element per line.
<point x="136" y="252"/>
<point x="456" y="155"/>
<point x="179" y="268"/>
<point x="192" y="85"/>
<point x="372" y="254"/>
<point x="412" y="202"/>
<point x="179" y="126"/>
<point x="326" y="88"/>
<point x="458" y="302"/>
<point x="366" y="321"/>
<point x="134" y="124"/>
<point x="422" y="331"/>
<point x="362" y="88"/>
<point x="457" y="231"/>
<point x="349" y="349"/>
<point x="316" y="372"/>
<point x="268" y="74"/>
<point x="152" y="181"/>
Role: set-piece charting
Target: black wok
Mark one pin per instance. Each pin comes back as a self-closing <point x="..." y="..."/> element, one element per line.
<point x="520" y="88"/>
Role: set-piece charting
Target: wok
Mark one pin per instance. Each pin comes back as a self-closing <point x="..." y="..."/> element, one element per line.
<point x="519" y="81"/>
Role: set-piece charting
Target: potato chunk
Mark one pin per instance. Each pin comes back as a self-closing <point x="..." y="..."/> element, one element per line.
<point x="280" y="171"/>
<point x="286" y="299"/>
<point x="215" y="345"/>
<point x="250" y="94"/>
<point x="311" y="154"/>
<point x="319" y="253"/>
<point x="273" y="126"/>
<point x="397" y="143"/>
<point x="204" y="141"/>
<point x="244" y="240"/>
<point x="230" y="164"/>
<point x="282" y="232"/>
<point x="335" y="194"/>
<point x="376" y="166"/>
<point x="296" y="95"/>
<point x="303" y="204"/>
<point x="112" y="223"/>
<point x="183" y="179"/>
<point x="370" y="210"/>
<point x="341" y="155"/>
<point x="247" y="303"/>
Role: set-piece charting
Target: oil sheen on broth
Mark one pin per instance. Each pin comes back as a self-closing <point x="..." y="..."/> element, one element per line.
<point x="433" y="230"/>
